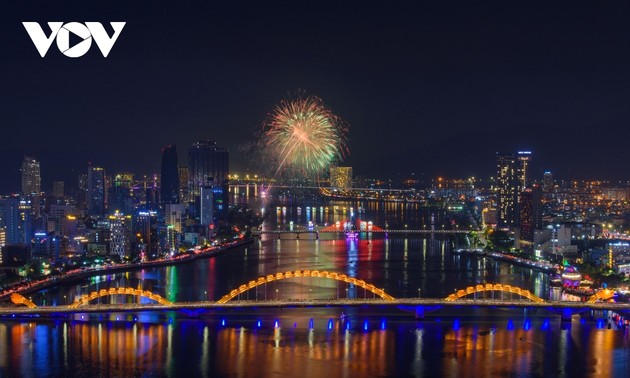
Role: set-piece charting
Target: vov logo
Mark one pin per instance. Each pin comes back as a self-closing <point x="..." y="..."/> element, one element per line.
<point x="61" y="32"/>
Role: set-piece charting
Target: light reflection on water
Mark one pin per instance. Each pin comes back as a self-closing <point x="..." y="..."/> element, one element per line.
<point x="455" y="347"/>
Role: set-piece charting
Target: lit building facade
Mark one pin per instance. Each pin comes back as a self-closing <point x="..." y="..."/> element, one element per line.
<point x="120" y="234"/>
<point x="96" y="191"/>
<point x="31" y="180"/>
<point x="208" y="166"/>
<point x="530" y="209"/>
<point x="58" y="190"/>
<point x="507" y="190"/>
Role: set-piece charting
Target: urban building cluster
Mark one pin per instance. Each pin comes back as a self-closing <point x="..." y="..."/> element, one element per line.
<point x="117" y="216"/>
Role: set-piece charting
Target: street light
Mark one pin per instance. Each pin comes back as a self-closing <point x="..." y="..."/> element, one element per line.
<point x="276" y="294"/>
<point x="418" y="292"/>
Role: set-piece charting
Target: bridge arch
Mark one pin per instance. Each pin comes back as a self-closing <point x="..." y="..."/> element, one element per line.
<point x="305" y="273"/>
<point x="494" y="287"/>
<point x="20" y="299"/>
<point x="119" y="291"/>
<point x="603" y="295"/>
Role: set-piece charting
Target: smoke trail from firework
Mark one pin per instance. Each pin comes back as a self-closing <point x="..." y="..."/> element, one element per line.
<point x="304" y="136"/>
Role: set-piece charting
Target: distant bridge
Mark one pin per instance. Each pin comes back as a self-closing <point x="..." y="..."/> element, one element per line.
<point x="298" y="232"/>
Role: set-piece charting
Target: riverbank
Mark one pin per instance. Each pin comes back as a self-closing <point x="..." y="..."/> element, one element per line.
<point x="79" y="274"/>
<point x="545" y="267"/>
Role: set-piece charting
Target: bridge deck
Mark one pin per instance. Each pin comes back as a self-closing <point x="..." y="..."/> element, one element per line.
<point x="191" y="306"/>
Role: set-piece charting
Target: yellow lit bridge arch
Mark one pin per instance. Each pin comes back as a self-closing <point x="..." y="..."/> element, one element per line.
<point x="20" y="299"/>
<point x="305" y="273"/>
<point x="603" y="295"/>
<point x="119" y="291"/>
<point x="494" y="287"/>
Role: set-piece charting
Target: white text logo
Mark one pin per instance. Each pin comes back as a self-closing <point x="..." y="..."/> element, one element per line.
<point x="61" y="32"/>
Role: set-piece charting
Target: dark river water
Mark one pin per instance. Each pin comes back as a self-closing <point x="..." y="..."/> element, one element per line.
<point x="317" y="342"/>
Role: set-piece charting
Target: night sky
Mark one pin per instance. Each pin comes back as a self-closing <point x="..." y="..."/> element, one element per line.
<point x="426" y="88"/>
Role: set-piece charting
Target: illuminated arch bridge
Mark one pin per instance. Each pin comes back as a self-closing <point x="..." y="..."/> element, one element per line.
<point x="119" y="291"/>
<point x="494" y="287"/>
<point x="305" y="273"/>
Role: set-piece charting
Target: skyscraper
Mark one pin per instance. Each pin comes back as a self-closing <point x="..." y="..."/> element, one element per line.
<point x="184" y="196"/>
<point x="530" y="209"/>
<point x="547" y="182"/>
<point x="120" y="234"/>
<point x="15" y="217"/>
<point x="119" y="198"/>
<point x="58" y="189"/>
<point x="523" y="160"/>
<point x="96" y="191"/>
<point x="513" y="176"/>
<point x="169" y="175"/>
<point x="208" y="165"/>
<point x="207" y="206"/>
<point x="31" y="181"/>
<point x="507" y="190"/>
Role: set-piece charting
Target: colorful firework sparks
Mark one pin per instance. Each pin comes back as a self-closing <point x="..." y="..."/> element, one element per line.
<point x="304" y="136"/>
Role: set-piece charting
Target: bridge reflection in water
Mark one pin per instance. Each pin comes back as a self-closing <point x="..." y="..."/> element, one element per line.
<point x="289" y="343"/>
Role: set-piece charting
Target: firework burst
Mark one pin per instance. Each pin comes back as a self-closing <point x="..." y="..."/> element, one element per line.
<point x="302" y="135"/>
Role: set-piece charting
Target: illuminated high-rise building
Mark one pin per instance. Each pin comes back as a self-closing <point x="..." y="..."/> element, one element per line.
<point x="58" y="189"/>
<point x="523" y="161"/>
<point x="120" y="234"/>
<point x="3" y="238"/>
<point x="513" y="176"/>
<point x="31" y="180"/>
<point x="169" y="176"/>
<point x="207" y="206"/>
<point x="175" y="218"/>
<point x="530" y="212"/>
<point x="208" y="166"/>
<point x="507" y="190"/>
<point x="120" y="197"/>
<point x="96" y="191"/>
<point x="145" y="230"/>
<point x="184" y="196"/>
<point x="547" y="182"/>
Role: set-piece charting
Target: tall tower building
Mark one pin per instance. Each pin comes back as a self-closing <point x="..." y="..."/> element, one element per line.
<point x="120" y="234"/>
<point x="507" y="190"/>
<point x="169" y="175"/>
<point x="31" y="181"/>
<point x="96" y="191"/>
<point x="547" y="182"/>
<point x="208" y="165"/>
<point x="119" y="198"/>
<point x="58" y="189"/>
<point x="523" y="161"/>
<point x="207" y="206"/>
<point x="184" y="196"/>
<point x="15" y="217"/>
<point x="530" y="209"/>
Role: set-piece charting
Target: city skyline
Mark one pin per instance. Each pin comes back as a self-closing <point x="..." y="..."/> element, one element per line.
<point x="442" y="88"/>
